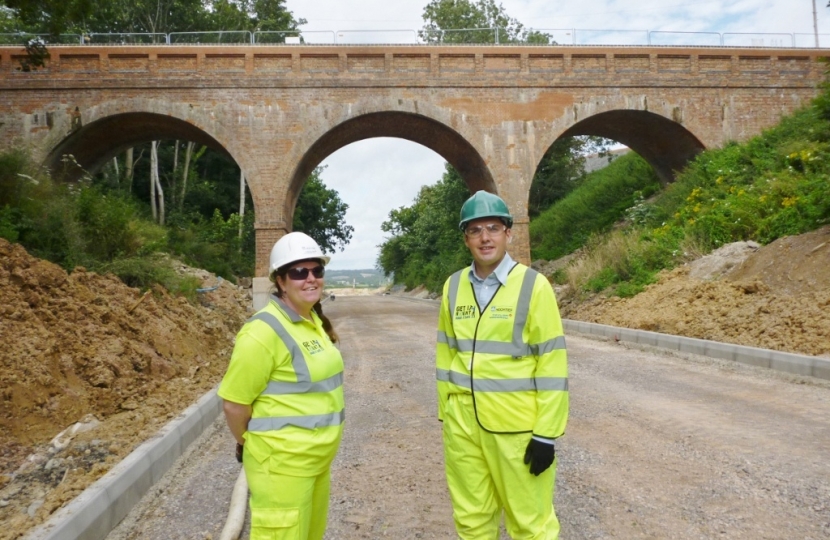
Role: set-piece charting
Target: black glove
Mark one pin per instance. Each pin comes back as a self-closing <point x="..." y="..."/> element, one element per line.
<point x="239" y="452"/>
<point x="540" y="456"/>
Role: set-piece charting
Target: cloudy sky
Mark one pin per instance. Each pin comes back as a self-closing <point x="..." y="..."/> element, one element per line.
<point x="377" y="175"/>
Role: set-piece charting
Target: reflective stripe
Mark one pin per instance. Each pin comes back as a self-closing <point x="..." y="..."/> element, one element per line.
<point x="510" y="349"/>
<point x="297" y="359"/>
<point x="502" y="385"/>
<point x="453" y="291"/>
<point x="522" y="310"/>
<point x="552" y="383"/>
<point x="548" y="346"/>
<point x="493" y="347"/>
<point x="448" y="340"/>
<point x="454" y="377"/>
<point x="310" y="421"/>
<point x="282" y="387"/>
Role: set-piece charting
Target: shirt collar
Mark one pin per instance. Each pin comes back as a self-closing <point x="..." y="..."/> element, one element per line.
<point x="501" y="271"/>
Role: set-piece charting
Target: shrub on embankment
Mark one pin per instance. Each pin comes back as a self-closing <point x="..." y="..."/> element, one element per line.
<point x="80" y="224"/>
<point x="599" y="202"/>
<point x="776" y="184"/>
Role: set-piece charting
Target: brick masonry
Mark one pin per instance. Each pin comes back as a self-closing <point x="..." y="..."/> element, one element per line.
<point x="490" y="111"/>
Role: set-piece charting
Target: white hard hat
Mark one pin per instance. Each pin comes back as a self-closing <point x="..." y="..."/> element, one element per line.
<point x="292" y="247"/>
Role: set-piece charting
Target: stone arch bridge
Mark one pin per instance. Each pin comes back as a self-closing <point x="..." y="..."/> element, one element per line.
<point x="490" y="111"/>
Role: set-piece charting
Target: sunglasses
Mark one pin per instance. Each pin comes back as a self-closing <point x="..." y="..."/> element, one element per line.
<point x="301" y="273"/>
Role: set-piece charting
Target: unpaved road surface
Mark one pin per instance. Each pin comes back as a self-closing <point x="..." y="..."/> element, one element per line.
<point x="658" y="446"/>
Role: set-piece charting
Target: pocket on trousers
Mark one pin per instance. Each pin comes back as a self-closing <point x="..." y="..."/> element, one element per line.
<point x="274" y="522"/>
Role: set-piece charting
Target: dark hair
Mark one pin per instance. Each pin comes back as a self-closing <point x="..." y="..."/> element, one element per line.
<point x="282" y="271"/>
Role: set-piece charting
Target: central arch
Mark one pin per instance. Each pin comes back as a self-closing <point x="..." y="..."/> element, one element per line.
<point x="416" y="128"/>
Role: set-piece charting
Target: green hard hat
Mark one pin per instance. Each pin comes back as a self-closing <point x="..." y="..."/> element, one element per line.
<point x="484" y="204"/>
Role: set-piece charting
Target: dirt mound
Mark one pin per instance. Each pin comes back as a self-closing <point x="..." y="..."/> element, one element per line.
<point x="86" y="347"/>
<point x="722" y="260"/>
<point x="776" y="297"/>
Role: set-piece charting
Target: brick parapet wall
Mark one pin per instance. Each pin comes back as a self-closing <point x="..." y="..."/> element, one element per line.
<point x="417" y="66"/>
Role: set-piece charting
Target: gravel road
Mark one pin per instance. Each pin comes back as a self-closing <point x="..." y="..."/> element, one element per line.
<point x="658" y="445"/>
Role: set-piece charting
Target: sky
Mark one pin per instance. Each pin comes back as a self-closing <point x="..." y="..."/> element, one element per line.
<point x="377" y="175"/>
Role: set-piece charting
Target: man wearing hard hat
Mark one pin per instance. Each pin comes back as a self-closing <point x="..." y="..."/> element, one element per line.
<point x="283" y="398"/>
<point x="502" y="384"/>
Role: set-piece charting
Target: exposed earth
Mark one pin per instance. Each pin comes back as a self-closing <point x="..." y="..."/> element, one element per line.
<point x="87" y="352"/>
<point x="772" y="297"/>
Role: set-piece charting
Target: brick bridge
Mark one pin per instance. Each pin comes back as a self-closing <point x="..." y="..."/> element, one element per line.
<point x="490" y="111"/>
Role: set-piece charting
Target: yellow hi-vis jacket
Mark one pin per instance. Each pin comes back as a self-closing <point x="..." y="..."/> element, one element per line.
<point x="291" y="374"/>
<point x="510" y="354"/>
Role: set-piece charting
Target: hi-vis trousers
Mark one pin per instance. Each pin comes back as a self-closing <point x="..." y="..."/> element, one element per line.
<point x="286" y="507"/>
<point x="486" y="472"/>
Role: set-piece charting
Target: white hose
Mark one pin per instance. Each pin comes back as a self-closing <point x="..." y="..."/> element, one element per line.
<point x="236" y="513"/>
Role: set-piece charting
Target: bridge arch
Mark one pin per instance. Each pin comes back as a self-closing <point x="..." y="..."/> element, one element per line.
<point x="417" y="128"/>
<point x="94" y="144"/>
<point x="665" y="144"/>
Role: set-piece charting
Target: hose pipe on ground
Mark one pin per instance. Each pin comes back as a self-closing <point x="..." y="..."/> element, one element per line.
<point x="238" y="508"/>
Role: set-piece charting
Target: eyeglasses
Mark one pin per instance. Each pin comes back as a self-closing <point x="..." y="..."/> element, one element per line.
<point x="493" y="229"/>
<point x="301" y="273"/>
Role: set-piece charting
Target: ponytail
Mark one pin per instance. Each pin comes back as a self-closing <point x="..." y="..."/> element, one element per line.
<point x="327" y="326"/>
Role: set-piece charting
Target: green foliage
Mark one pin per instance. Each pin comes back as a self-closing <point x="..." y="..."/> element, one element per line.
<point x="8" y="217"/>
<point x="70" y="224"/>
<point x="149" y="16"/>
<point x="600" y="201"/>
<point x="444" y="21"/>
<point x="425" y="245"/>
<point x="51" y="16"/>
<point x="774" y="185"/>
<point x="561" y="170"/>
<point x="204" y="226"/>
<point x="320" y="213"/>
<point x="146" y="272"/>
<point x="36" y="55"/>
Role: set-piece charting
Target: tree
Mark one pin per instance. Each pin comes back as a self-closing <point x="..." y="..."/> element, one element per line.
<point x="425" y="245"/>
<point x="320" y="213"/>
<point x="441" y="17"/>
<point x="51" y="16"/>
<point x="147" y="16"/>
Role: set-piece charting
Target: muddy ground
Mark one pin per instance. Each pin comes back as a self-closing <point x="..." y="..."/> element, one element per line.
<point x="85" y="350"/>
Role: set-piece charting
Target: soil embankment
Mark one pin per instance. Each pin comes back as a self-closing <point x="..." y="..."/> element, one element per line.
<point x="773" y="297"/>
<point x="85" y="350"/>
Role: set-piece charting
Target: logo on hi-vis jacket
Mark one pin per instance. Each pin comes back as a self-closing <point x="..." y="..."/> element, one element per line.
<point x="465" y="312"/>
<point x="501" y="312"/>
<point x="313" y="346"/>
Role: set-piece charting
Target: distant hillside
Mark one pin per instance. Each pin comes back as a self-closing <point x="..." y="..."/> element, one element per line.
<point x="361" y="278"/>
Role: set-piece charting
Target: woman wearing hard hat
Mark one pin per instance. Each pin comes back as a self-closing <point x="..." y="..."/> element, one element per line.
<point x="283" y="397"/>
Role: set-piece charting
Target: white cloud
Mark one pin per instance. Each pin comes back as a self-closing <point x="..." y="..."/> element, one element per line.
<point x="373" y="177"/>
<point x="377" y="175"/>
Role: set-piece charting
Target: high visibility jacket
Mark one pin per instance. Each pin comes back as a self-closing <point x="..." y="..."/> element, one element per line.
<point x="510" y="354"/>
<point x="288" y="370"/>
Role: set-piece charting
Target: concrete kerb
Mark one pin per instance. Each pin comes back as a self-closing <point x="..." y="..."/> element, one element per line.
<point x="95" y="512"/>
<point x="797" y="364"/>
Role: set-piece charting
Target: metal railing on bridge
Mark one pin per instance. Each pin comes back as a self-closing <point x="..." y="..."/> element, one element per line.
<point x="465" y="36"/>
